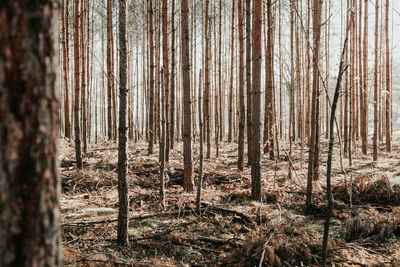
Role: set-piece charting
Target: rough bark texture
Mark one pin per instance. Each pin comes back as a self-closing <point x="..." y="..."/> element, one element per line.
<point x="256" y="101"/>
<point x="187" y="112"/>
<point x="242" y="115"/>
<point x="122" y="162"/>
<point x="29" y="181"/>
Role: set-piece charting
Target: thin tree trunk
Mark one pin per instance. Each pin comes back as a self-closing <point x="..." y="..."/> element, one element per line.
<point x="281" y="74"/>
<point x="206" y="101"/>
<point x="219" y="104"/>
<point x="375" y="138"/>
<point x="166" y="73"/>
<point x="78" y="153"/>
<point x="114" y="90"/>
<point x="248" y="81"/>
<point x="313" y="158"/>
<point x="172" y="106"/>
<point x="82" y="16"/>
<point x="388" y="83"/>
<point x="364" y="92"/>
<point x="151" y="89"/>
<point x="256" y="101"/>
<point x="109" y="69"/>
<point x="269" y="92"/>
<point x="200" y="179"/>
<point x="65" y="47"/>
<point x="308" y="75"/>
<point x="162" y="141"/>
<point x="242" y="115"/>
<point x="292" y="123"/>
<point x="187" y="115"/>
<point x="122" y="139"/>
<point x="230" y="111"/>
<point x="342" y="70"/>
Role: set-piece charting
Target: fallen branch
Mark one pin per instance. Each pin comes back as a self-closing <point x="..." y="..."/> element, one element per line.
<point x="184" y="242"/>
<point x="114" y="262"/>
<point x="137" y="217"/>
<point x="243" y="216"/>
<point x="218" y="241"/>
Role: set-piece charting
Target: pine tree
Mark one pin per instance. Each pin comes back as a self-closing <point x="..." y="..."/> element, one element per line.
<point x="30" y="185"/>
<point x="256" y="100"/>
<point x="187" y="115"/>
<point x="122" y="233"/>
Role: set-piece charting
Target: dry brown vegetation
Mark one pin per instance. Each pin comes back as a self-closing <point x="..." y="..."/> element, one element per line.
<point x="232" y="230"/>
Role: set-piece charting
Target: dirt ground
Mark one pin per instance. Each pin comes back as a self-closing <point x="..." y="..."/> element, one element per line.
<point x="231" y="230"/>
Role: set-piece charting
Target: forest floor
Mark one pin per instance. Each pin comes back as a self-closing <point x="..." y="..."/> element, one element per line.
<point x="231" y="230"/>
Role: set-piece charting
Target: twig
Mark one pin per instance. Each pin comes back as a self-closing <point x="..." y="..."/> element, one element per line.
<point x="263" y="253"/>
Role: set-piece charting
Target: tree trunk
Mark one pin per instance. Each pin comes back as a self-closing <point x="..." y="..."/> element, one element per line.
<point x="78" y="152"/>
<point x="269" y="88"/>
<point x="242" y="115"/>
<point x="230" y="106"/>
<point x="218" y="102"/>
<point x="248" y="81"/>
<point x="30" y="188"/>
<point x="166" y="72"/>
<point x="364" y="92"/>
<point x="122" y="162"/>
<point x="172" y="105"/>
<point x="109" y="69"/>
<point x="187" y="112"/>
<point x="313" y="158"/>
<point x="162" y="142"/>
<point x="207" y="82"/>
<point x="151" y="89"/>
<point x="82" y="16"/>
<point x="292" y="123"/>
<point x="342" y="70"/>
<point x="375" y="138"/>
<point x="308" y="78"/>
<point x="200" y="180"/>
<point x="256" y="101"/>
<point x="388" y="83"/>
<point x="65" y="47"/>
